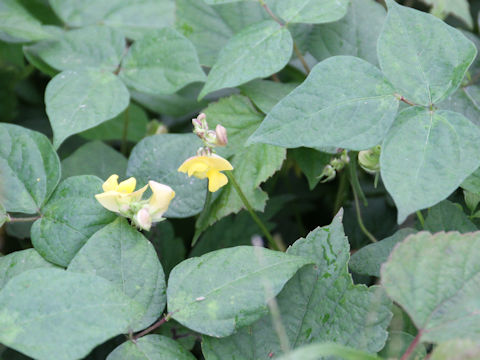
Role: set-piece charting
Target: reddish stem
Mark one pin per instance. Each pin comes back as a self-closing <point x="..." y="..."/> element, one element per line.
<point x="412" y="346"/>
<point x="151" y="328"/>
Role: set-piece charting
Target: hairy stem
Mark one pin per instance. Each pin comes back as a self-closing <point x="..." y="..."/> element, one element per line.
<point x="261" y="225"/>
<point x="157" y="324"/>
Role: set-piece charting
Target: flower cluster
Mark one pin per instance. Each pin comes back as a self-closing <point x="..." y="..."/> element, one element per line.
<point x="206" y="164"/>
<point x="336" y="164"/>
<point x="124" y="200"/>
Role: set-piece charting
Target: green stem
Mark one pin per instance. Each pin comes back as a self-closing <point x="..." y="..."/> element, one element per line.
<point x="353" y="175"/>
<point x="271" y="241"/>
<point x="421" y="219"/>
<point x="340" y="193"/>
<point x="359" y="217"/>
<point x="23" y="219"/>
<point x="301" y="58"/>
<point x="352" y="167"/>
<point x="124" y="145"/>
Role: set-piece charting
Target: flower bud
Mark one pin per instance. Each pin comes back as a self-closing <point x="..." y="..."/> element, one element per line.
<point x="328" y="174"/>
<point x="369" y="160"/>
<point x="221" y="132"/>
<point x="142" y="219"/>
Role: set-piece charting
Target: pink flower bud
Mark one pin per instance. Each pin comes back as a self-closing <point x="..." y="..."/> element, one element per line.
<point x="221" y="132"/>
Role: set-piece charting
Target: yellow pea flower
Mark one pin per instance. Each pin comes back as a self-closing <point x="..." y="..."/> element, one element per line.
<point x="118" y="197"/>
<point x="207" y="167"/>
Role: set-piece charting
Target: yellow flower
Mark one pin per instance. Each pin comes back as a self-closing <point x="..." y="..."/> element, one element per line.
<point x="207" y="167"/>
<point x="161" y="197"/>
<point x="118" y="197"/>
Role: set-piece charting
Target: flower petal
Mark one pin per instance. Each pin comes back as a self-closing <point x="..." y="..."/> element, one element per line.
<point x="218" y="162"/>
<point x="127" y="186"/>
<point x="160" y="200"/>
<point x="109" y="200"/>
<point x="216" y="180"/>
<point x="111" y="184"/>
<point x="186" y="164"/>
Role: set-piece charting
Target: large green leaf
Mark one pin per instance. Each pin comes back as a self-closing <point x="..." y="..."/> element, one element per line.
<point x="447" y="216"/>
<point x="69" y="218"/>
<point x="369" y="259"/>
<point x="345" y="102"/>
<point x="424" y="58"/>
<point x="326" y="305"/>
<point x="133" y="121"/>
<point x="232" y="298"/>
<point x="202" y="25"/>
<point x="107" y="161"/>
<point x="18" y="262"/>
<point x="310" y="11"/>
<point x="19" y="23"/>
<point x="79" y="100"/>
<point x="121" y="254"/>
<point x="466" y="101"/>
<point x="161" y="63"/>
<point x="426" y="156"/>
<point x="356" y="34"/>
<point x="434" y="278"/>
<point x="253" y="165"/>
<point x="134" y="18"/>
<point x="151" y="347"/>
<point x="266" y="94"/>
<point x="258" y="51"/>
<point x="93" y="46"/>
<point x="472" y="183"/>
<point x="29" y="169"/>
<point x="55" y="314"/>
<point x="158" y="158"/>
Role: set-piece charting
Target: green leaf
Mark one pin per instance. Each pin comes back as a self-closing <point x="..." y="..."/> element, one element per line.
<point x="426" y="156"/>
<point x="266" y="94"/>
<point x="434" y="278"/>
<point x="203" y="26"/>
<point x="52" y="313"/>
<point x="134" y="118"/>
<point x="253" y="165"/>
<point x="458" y="8"/>
<point x="185" y="337"/>
<point x="233" y="297"/>
<point x="158" y="158"/>
<point x="347" y="314"/>
<point x="356" y="34"/>
<point x="151" y="347"/>
<point x="122" y="255"/>
<point x="19" y="23"/>
<point x="69" y="218"/>
<point x="79" y="100"/>
<point x="456" y="349"/>
<point x="3" y="214"/>
<point x="93" y="46"/>
<point x="18" y="262"/>
<point x="368" y="260"/>
<point x="107" y="161"/>
<point x="466" y="101"/>
<point x="447" y="216"/>
<point x="321" y="351"/>
<point x="134" y="18"/>
<point x="30" y="169"/>
<point x="161" y="63"/>
<point x="310" y="11"/>
<point x="424" y="58"/>
<point x="258" y="51"/>
<point x="472" y="183"/>
<point x="341" y="88"/>
<point x="311" y="162"/>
